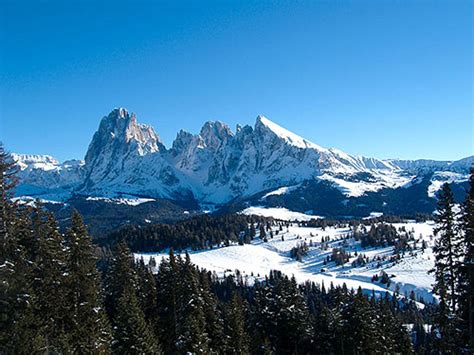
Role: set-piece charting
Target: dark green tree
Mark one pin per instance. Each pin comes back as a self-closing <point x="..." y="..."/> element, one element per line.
<point x="18" y="322"/>
<point x="147" y="292"/>
<point x="167" y="280"/>
<point x="88" y="326"/>
<point x="191" y="336"/>
<point x="132" y="334"/>
<point x="444" y="330"/>
<point x="234" y="327"/>
<point x="50" y="284"/>
<point x="466" y="274"/>
<point x="447" y="248"/>
<point x="212" y="314"/>
<point x="361" y="329"/>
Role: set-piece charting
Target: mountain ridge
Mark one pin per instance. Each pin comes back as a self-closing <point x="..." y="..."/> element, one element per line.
<point x="217" y="165"/>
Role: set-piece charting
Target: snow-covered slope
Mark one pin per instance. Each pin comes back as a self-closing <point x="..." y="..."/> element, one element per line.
<point x="217" y="165"/>
<point x="279" y="213"/>
<point x="255" y="260"/>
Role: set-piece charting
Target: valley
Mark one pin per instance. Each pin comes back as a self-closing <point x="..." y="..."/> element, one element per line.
<point x="407" y="270"/>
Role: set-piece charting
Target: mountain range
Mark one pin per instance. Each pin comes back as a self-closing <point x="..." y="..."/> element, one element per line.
<point x="266" y="165"/>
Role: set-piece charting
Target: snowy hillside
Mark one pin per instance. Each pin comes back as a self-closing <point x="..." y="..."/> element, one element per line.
<point x="255" y="260"/>
<point x="278" y="213"/>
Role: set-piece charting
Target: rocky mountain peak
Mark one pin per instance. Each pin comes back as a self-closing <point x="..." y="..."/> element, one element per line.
<point x="118" y="139"/>
<point x="119" y="131"/>
<point x="214" y="133"/>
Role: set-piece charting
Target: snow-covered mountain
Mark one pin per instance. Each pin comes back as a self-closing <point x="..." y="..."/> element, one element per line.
<point x="218" y="165"/>
<point x="45" y="177"/>
<point x="126" y="157"/>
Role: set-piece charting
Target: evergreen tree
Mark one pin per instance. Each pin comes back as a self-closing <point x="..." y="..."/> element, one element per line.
<point x="50" y="284"/>
<point x="18" y="323"/>
<point x="444" y="332"/>
<point x="167" y="279"/>
<point x="466" y="274"/>
<point x="263" y="234"/>
<point x="324" y="332"/>
<point x="234" y="327"/>
<point x="447" y="249"/>
<point x="191" y="336"/>
<point x="147" y="293"/>
<point x="8" y="181"/>
<point x="212" y="315"/>
<point x="120" y="276"/>
<point x="293" y="327"/>
<point x="131" y="332"/>
<point x="88" y="326"/>
<point x="252" y="231"/>
<point x="362" y="333"/>
<point x="263" y="320"/>
<point x="396" y="338"/>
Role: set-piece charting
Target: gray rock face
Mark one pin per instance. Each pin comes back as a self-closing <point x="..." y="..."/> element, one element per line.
<point x="216" y="165"/>
<point x="118" y="143"/>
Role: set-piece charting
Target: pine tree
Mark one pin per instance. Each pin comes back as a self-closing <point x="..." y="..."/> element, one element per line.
<point x="167" y="280"/>
<point x="50" y="284"/>
<point x="396" y="338"/>
<point x="18" y="300"/>
<point x="131" y="332"/>
<point x="18" y="323"/>
<point x="234" y="327"/>
<point x="361" y="328"/>
<point x="324" y="330"/>
<point x="147" y="293"/>
<point x="443" y="328"/>
<point x="263" y="234"/>
<point x="212" y="315"/>
<point x="263" y="320"/>
<point x="8" y="181"/>
<point x="87" y="323"/>
<point x="293" y="326"/>
<point x="446" y="250"/>
<point x="192" y="336"/>
<point x="120" y="276"/>
<point x="466" y="274"/>
<point x="252" y="231"/>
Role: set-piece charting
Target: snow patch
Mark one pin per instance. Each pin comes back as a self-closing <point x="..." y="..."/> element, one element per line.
<point x="383" y="179"/>
<point x="281" y="191"/>
<point x="441" y="177"/>
<point x="278" y="213"/>
<point x="374" y="215"/>
<point x="122" y="201"/>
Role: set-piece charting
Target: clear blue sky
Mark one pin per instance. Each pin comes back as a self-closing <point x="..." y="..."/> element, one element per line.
<point x="378" y="78"/>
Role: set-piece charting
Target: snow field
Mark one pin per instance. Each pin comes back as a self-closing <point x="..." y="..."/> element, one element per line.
<point x="257" y="259"/>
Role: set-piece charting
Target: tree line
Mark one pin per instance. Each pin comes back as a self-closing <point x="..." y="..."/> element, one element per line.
<point x="200" y="232"/>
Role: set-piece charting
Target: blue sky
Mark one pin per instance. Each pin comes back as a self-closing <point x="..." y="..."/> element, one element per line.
<point x="377" y="78"/>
